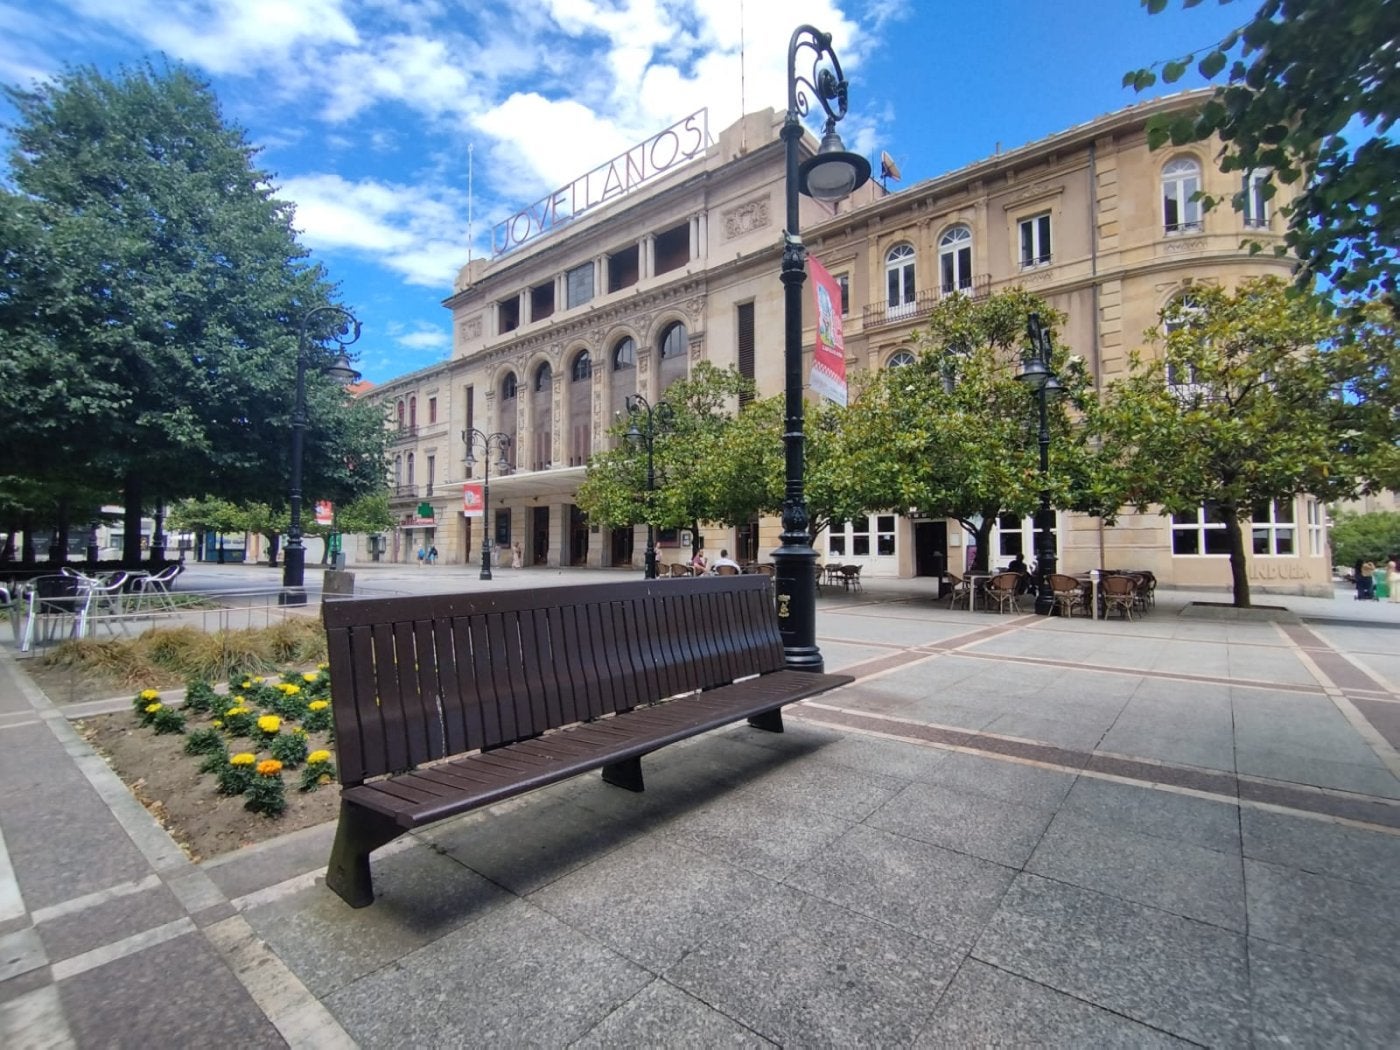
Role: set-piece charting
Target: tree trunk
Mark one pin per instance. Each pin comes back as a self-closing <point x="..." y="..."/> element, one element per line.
<point x="1239" y="579"/>
<point x="131" y="540"/>
<point x="27" y="556"/>
<point x="58" y="547"/>
<point x="982" y="536"/>
<point x="198" y="544"/>
<point x="7" y="552"/>
<point x="158" y="539"/>
<point x="274" y="544"/>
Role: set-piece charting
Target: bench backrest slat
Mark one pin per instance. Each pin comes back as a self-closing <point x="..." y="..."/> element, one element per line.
<point x="416" y="679"/>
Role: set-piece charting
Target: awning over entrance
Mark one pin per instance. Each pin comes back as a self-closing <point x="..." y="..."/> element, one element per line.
<point x="542" y="483"/>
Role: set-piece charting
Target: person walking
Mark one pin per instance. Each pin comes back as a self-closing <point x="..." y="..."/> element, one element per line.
<point x="422" y="556"/>
<point x="517" y="556"/>
<point x="432" y="555"/>
<point x="1367" y="591"/>
<point x="1392" y="567"/>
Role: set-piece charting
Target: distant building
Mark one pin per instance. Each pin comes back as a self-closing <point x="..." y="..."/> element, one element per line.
<point x="551" y="336"/>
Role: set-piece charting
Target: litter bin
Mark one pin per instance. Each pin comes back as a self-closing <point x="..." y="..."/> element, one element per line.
<point x="338" y="561"/>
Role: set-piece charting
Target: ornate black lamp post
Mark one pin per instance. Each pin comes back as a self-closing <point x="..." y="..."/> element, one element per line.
<point x="657" y="418"/>
<point x="345" y="329"/>
<point x="829" y="176"/>
<point x="1036" y="374"/>
<point x="500" y="442"/>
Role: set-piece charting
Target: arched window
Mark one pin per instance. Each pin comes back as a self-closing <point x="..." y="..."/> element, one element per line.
<point x="900" y="358"/>
<point x="413" y="411"/>
<point x="401" y="415"/>
<point x="582" y="367"/>
<point x="410" y="469"/>
<point x="899" y="280"/>
<point x="624" y="354"/>
<point x="398" y="470"/>
<point x="955" y="259"/>
<point x="673" y="341"/>
<point x="508" y="387"/>
<point x="1256" y="199"/>
<point x="1181" y="181"/>
<point x="542" y="377"/>
<point x="1182" y="312"/>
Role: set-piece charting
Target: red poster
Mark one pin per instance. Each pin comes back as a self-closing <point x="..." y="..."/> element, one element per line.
<point x="829" y="354"/>
<point x="325" y="512"/>
<point x="472" y="503"/>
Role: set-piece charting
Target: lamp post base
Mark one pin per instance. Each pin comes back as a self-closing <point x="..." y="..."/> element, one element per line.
<point x="1044" y="602"/>
<point x="293" y="575"/>
<point x="292" y="598"/>
<point x="485" y="563"/>
<point x="795" y="577"/>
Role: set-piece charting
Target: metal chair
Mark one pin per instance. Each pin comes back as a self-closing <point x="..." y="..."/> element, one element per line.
<point x="850" y="577"/>
<point x="960" y="593"/>
<point x="50" y="601"/>
<point x="1003" y="587"/>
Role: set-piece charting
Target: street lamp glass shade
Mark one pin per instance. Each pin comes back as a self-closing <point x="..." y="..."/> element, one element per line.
<point x="1052" y="386"/>
<point x="342" y="371"/>
<point x="503" y="467"/>
<point x="1034" y="373"/>
<point x="834" y="172"/>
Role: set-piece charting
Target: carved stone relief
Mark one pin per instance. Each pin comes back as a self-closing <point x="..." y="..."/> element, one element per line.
<point x="471" y="327"/>
<point x="1193" y="244"/>
<point x="746" y="218"/>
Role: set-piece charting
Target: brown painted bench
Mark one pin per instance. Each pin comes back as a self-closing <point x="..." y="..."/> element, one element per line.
<point x="446" y="703"/>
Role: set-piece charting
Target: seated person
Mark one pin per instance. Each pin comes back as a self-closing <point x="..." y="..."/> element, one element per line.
<point x="724" y="559"/>
<point x="697" y="563"/>
<point x="1018" y="564"/>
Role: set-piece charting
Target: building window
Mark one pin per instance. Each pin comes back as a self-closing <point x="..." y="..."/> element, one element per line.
<point x="743" y="320"/>
<point x="432" y="410"/>
<point x="843" y="281"/>
<point x="1273" y="529"/>
<point x="1014" y="535"/>
<point x="503" y="527"/>
<point x="508" y="315"/>
<point x="624" y="354"/>
<point x="1035" y="241"/>
<point x="1183" y="312"/>
<point x="410" y="468"/>
<point x="413" y="411"/>
<point x="1317" y="528"/>
<point x="955" y="259"/>
<point x="673" y="342"/>
<point x="398" y="471"/>
<point x="900" y="358"/>
<point x="542" y="301"/>
<point x="431" y="464"/>
<point x="508" y="387"/>
<point x="401" y="415"/>
<point x="672" y="248"/>
<point x="542" y="377"/>
<point x="862" y="538"/>
<point x="1256" y="201"/>
<point x="1199" y="532"/>
<point x="899" y="281"/>
<point x="582" y="368"/>
<point x="469" y="395"/>
<point x="579" y="284"/>
<point x="1181" y="181"/>
<point x="624" y="268"/>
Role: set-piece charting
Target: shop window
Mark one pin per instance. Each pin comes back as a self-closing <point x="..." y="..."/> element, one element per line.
<point x="1199" y="532"/>
<point x="1273" y="530"/>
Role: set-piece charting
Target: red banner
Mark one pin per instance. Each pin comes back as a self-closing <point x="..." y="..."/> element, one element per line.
<point x="829" y="354"/>
<point x="472" y="502"/>
<point x="325" y="512"/>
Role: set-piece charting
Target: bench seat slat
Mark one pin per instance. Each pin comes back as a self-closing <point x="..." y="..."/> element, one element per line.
<point x="644" y="730"/>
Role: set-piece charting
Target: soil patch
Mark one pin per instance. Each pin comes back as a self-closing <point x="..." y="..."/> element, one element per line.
<point x="186" y="802"/>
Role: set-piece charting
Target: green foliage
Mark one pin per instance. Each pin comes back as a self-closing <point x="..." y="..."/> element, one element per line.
<point x="289" y="749"/>
<point x="150" y="299"/>
<point x="200" y="697"/>
<point x="318" y="716"/>
<point x="167" y="720"/>
<point x="369" y="513"/>
<point x="1300" y="73"/>
<point x="1361" y="537"/>
<point x="234" y="778"/>
<point x="266" y="794"/>
<point x="317" y="774"/>
<point x="207" y="741"/>
<point x="215" y="761"/>
<point x="1254" y="417"/>
<point x="239" y="720"/>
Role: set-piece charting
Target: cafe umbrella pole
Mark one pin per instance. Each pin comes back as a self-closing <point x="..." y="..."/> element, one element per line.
<point x="830" y="175"/>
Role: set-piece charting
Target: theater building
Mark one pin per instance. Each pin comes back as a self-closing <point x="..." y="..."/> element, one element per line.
<point x="618" y="283"/>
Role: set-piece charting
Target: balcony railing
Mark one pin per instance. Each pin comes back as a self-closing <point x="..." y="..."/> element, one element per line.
<point x="405" y="492"/>
<point x="877" y="315"/>
<point x="404" y="434"/>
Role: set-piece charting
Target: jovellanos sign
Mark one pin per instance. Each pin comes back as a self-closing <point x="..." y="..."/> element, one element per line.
<point x="665" y="150"/>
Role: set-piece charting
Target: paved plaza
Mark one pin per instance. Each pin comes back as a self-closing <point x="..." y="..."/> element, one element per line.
<point x="1009" y="830"/>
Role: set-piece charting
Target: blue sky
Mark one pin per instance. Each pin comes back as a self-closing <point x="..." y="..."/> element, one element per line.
<point x="367" y="110"/>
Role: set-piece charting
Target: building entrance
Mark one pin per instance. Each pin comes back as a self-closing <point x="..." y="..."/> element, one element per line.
<point x="622" y="546"/>
<point x="931" y="550"/>
<point x="578" y="536"/>
<point x="539" y="533"/>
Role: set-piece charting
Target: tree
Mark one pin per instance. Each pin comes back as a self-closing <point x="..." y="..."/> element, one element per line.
<point x="151" y="290"/>
<point x="1242" y="410"/>
<point x="205" y="515"/>
<point x="614" y="491"/>
<point x="1365" y="537"/>
<point x="954" y="433"/>
<point x="1303" y="75"/>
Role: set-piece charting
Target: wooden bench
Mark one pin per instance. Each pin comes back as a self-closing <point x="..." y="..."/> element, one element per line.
<point x="446" y="703"/>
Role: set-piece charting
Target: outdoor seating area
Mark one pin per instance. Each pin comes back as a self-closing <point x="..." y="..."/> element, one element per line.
<point x="1129" y="593"/>
<point x="73" y="604"/>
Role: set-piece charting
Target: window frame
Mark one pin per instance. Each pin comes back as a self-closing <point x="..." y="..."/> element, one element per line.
<point x="1256" y="205"/>
<point x="901" y="276"/>
<point x="955" y="256"/>
<point x="1179" y="188"/>
<point x="630" y="345"/>
<point x="1270" y="529"/>
<point x="1037" y="249"/>
<point x="581" y="367"/>
<point x="1208" y="532"/>
<point x="510" y="386"/>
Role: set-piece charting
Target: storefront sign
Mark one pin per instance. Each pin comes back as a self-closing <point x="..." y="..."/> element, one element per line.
<point x="829" y="354"/>
<point x="325" y="512"/>
<point x="472" y="502"/>
<point x="657" y="155"/>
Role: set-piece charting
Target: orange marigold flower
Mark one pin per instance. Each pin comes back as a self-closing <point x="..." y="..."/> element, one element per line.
<point x="269" y="767"/>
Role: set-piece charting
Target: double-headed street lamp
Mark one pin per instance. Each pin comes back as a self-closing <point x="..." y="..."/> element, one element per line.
<point x="829" y="176"/>
<point x="1040" y="379"/>
<point x="344" y="329"/>
<point x="500" y="442"/>
<point x="658" y="419"/>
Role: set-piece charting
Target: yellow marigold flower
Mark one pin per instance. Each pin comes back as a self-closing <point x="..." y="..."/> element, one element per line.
<point x="239" y="698"/>
<point x="153" y="708"/>
<point x="318" y="705"/>
<point x="259" y="679"/>
<point x="298" y="731"/>
<point x="292" y="690"/>
<point x="269" y="767"/>
<point x="149" y="694"/>
<point x="269" y="723"/>
<point x="322" y="667"/>
<point x="317" y="757"/>
<point x="310" y="676"/>
<point x="237" y="709"/>
<point x="218" y="723"/>
<point x="243" y="758"/>
<point x="247" y="684"/>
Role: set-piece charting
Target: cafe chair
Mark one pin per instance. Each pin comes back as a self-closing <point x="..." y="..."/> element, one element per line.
<point x="1118" y="592"/>
<point x="1002" y="589"/>
<point x="1068" y="593"/>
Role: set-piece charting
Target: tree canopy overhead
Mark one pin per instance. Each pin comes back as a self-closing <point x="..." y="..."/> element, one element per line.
<point x="151" y="289"/>
<point x="1311" y="91"/>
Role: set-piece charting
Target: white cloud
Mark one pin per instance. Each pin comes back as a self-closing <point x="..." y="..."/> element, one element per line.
<point x="425" y="337"/>
<point x="412" y="230"/>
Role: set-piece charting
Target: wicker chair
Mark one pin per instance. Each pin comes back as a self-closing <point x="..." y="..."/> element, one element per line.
<point x="850" y="576"/>
<point x="1119" y="591"/>
<point x="1068" y="593"/>
<point x="726" y="570"/>
<point x="960" y="592"/>
<point x="1002" y="588"/>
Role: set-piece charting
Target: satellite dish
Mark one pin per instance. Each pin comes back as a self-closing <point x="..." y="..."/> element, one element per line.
<point x="888" y="168"/>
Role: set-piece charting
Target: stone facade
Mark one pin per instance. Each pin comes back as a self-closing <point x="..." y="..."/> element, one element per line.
<point x="674" y="271"/>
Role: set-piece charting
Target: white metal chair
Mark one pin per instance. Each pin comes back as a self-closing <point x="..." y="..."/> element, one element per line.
<point x="49" y="602"/>
<point x="155" y="589"/>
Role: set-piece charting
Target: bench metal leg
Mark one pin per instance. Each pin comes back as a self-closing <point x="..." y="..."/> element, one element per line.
<point x="771" y="721"/>
<point x="359" y="833"/>
<point x="625" y="774"/>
